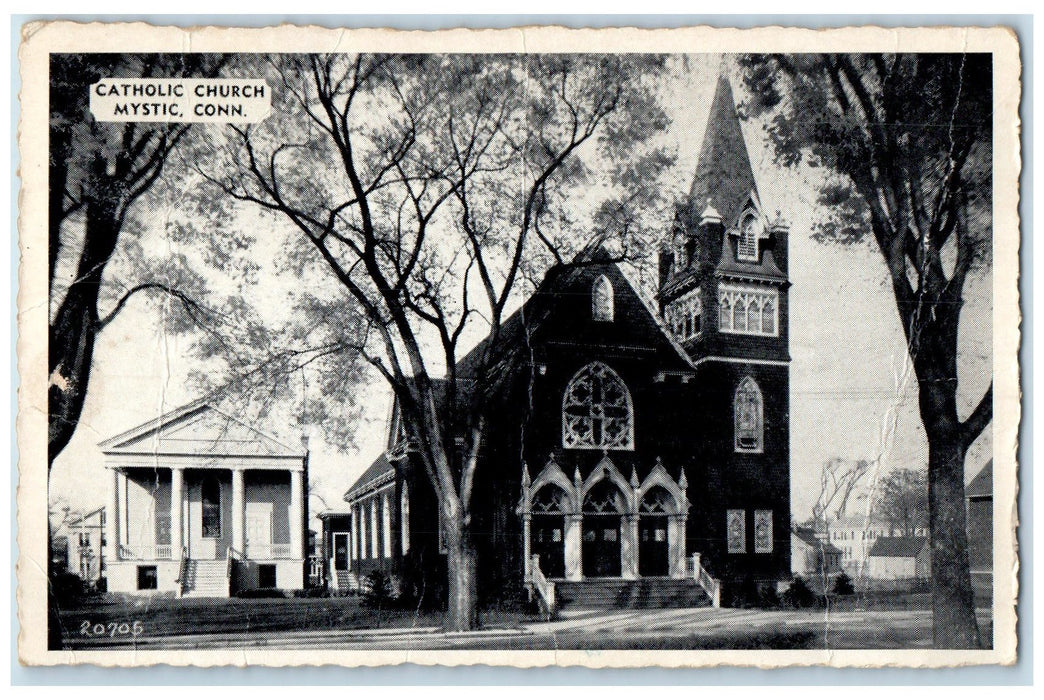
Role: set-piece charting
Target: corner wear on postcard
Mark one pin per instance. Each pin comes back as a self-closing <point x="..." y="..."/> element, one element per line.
<point x="527" y="347"/>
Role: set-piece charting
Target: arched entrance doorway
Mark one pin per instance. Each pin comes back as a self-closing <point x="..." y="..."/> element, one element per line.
<point x="653" y="553"/>
<point x="603" y="508"/>
<point x="547" y="538"/>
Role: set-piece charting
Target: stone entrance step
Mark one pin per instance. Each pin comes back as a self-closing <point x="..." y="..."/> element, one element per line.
<point x="643" y="593"/>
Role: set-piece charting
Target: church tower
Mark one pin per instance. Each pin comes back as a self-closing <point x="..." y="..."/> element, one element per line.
<point x="723" y="293"/>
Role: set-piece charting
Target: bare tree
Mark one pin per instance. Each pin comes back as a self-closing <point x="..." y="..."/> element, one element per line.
<point x="838" y="482"/>
<point x="433" y="188"/>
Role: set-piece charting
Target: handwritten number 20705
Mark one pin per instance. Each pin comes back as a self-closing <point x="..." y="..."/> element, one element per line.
<point x="112" y="629"/>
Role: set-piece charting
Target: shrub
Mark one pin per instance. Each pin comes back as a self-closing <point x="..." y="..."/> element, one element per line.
<point x="768" y="597"/>
<point x="843" y="584"/>
<point x="378" y="590"/>
<point x="798" y="594"/>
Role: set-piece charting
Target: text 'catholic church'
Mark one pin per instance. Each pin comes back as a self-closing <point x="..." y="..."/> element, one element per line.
<point x="639" y="441"/>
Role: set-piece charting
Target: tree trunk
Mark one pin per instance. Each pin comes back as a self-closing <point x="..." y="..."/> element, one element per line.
<point x="953" y="600"/>
<point x="462" y="611"/>
<point x="72" y="333"/>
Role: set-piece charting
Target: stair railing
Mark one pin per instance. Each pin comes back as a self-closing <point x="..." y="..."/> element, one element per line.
<point x="231" y="556"/>
<point x="183" y="571"/>
<point x="539" y="584"/>
<point x="708" y="583"/>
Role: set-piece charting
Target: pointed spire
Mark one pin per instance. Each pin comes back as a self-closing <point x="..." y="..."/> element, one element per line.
<point x="710" y="215"/>
<point x="576" y="476"/>
<point x="634" y="478"/>
<point x="723" y="170"/>
<point x="525" y="474"/>
<point x="682" y="481"/>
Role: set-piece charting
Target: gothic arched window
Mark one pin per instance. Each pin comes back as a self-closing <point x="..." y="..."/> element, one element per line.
<point x="596" y="411"/>
<point x="749" y="415"/>
<point x="747" y="249"/>
<point x="602" y="299"/>
<point x="210" y="495"/>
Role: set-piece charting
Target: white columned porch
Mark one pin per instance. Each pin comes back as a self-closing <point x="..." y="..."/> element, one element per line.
<point x="114" y="517"/>
<point x="374" y="542"/>
<point x="239" y="511"/>
<point x="362" y="531"/>
<point x="527" y="566"/>
<point x="297" y="515"/>
<point x="177" y="498"/>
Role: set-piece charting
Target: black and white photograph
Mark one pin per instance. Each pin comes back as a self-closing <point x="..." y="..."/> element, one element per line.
<point x="657" y="345"/>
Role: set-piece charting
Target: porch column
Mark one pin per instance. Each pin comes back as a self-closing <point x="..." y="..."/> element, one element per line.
<point x="386" y="534"/>
<point x="527" y="565"/>
<point x="573" y="567"/>
<point x="362" y="531"/>
<point x="676" y="546"/>
<point x="177" y="497"/>
<point x="353" y="537"/>
<point x="297" y="515"/>
<point x="114" y="517"/>
<point x="239" y="511"/>
<point x="375" y="543"/>
<point x="629" y="546"/>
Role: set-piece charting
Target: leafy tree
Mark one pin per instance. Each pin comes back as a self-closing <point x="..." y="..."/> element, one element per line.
<point x="97" y="173"/>
<point x="907" y="139"/>
<point x="434" y="190"/>
<point x="843" y="584"/>
<point x="902" y="501"/>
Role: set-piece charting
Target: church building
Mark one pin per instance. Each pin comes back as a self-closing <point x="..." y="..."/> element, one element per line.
<point x="641" y="440"/>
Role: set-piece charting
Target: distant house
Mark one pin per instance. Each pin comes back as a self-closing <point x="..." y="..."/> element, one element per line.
<point x="856" y="535"/>
<point x="899" y="558"/>
<point x="811" y="555"/>
<point x="203" y="504"/>
<point x="979" y="494"/>
<point x="78" y="546"/>
<point x="335" y="551"/>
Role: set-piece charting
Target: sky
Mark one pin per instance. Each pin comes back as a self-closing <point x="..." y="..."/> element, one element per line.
<point x="852" y="392"/>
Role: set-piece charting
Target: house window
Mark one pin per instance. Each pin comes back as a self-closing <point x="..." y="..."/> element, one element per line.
<point x="210" y="494"/>
<point x="147" y="579"/>
<point x="266" y="575"/>
<point x="762" y="531"/>
<point x="683" y="316"/>
<point x="749" y="412"/>
<point x="748" y="310"/>
<point x="602" y="303"/>
<point x="747" y="247"/>
<point x="736" y="531"/>
<point x="596" y="411"/>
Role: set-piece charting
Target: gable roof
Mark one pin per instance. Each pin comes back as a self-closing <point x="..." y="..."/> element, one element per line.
<point x="380" y="471"/>
<point x="724" y="176"/>
<point x="808" y="536"/>
<point x="898" y="546"/>
<point x="982" y="485"/>
<point x="198" y="428"/>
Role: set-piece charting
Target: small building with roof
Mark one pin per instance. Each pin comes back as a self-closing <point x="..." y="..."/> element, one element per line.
<point x="811" y="555"/>
<point x="979" y="495"/>
<point x="899" y="559"/>
<point x="203" y="504"/>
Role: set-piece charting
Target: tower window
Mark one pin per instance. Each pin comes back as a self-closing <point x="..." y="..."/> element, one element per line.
<point x="602" y="299"/>
<point x="684" y="315"/>
<point x="748" y="408"/>
<point x="748" y="310"/>
<point x="747" y="248"/>
<point x="597" y="411"/>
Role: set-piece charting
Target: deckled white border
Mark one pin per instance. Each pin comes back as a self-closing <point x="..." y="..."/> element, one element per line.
<point x="40" y="39"/>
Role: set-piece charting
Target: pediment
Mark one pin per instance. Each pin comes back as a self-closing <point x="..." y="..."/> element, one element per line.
<point x="198" y="429"/>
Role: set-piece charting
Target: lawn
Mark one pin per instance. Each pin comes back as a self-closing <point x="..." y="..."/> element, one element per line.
<point x="163" y="616"/>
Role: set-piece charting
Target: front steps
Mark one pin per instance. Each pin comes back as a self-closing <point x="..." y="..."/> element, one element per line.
<point x="206" y="579"/>
<point x="344" y="582"/>
<point x="642" y="593"/>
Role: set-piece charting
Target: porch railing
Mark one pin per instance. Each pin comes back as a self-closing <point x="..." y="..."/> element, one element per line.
<point x="267" y="551"/>
<point x="543" y="588"/>
<point x="708" y="583"/>
<point x="162" y="552"/>
<point x="183" y="572"/>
